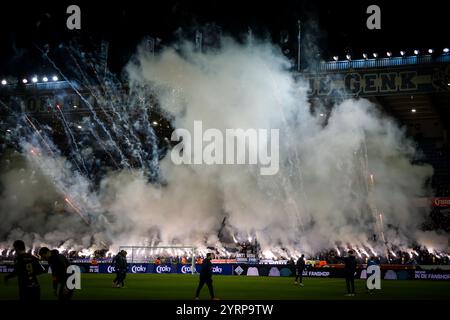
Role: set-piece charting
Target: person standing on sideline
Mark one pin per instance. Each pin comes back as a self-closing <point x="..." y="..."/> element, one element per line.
<point x="114" y="263"/>
<point x="121" y="268"/>
<point x="349" y="271"/>
<point x="26" y="269"/>
<point x="300" y="266"/>
<point x="206" y="277"/>
<point x="58" y="264"/>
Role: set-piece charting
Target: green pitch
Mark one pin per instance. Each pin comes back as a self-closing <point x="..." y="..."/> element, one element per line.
<point x="170" y="286"/>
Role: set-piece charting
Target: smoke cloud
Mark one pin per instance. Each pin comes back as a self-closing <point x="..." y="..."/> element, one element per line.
<point x="322" y="196"/>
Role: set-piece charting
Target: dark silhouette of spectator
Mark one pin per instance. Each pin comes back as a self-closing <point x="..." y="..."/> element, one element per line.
<point x="26" y="269"/>
<point x="206" y="277"/>
<point x="349" y="272"/>
<point x="300" y="266"/>
<point x="58" y="264"/>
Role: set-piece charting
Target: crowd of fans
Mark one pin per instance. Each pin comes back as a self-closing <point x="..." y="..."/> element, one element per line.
<point x="419" y="256"/>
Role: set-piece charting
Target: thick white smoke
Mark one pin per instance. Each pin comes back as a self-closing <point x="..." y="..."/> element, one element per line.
<point x="319" y="196"/>
<point x="322" y="194"/>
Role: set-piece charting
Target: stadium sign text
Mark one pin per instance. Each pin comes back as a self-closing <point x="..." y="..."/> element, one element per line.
<point x="187" y="269"/>
<point x="441" y="202"/>
<point x="378" y="82"/>
<point x="138" y="269"/>
<point x="430" y="275"/>
<point x="320" y="274"/>
<point x="369" y="83"/>
<point x="217" y="269"/>
<point x="163" y="269"/>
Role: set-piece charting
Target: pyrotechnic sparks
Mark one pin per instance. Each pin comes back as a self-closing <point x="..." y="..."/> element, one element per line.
<point x="86" y="253"/>
<point x="267" y="254"/>
<point x="365" y="252"/>
<point x="76" y="209"/>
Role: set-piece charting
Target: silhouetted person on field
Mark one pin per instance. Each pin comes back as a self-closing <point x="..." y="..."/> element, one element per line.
<point x="120" y="267"/>
<point x="26" y="268"/>
<point x="206" y="277"/>
<point x="349" y="271"/>
<point x="300" y="266"/>
<point x="114" y="263"/>
<point x="58" y="264"/>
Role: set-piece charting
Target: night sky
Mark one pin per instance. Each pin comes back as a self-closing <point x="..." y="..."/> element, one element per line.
<point x="329" y="27"/>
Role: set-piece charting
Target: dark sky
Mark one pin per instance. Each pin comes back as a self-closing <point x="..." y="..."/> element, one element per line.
<point x="333" y="27"/>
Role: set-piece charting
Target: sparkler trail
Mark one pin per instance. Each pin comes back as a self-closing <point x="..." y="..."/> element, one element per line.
<point x="39" y="134"/>
<point x="72" y="141"/>
<point x="112" y="93"/>
<point x="100" y="142"/>
<point x="94" y="114"/>
<point x="63" y="190"/>
<point x="115" y="97"/>
<point x="77" y="210"/>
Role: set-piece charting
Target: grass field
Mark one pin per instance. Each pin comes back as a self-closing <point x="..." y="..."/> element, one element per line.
<point x="172" y="286"/>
